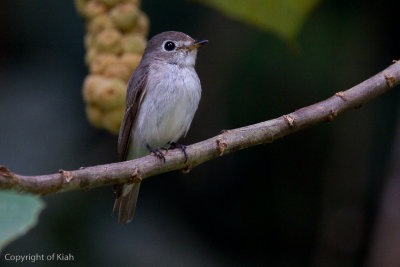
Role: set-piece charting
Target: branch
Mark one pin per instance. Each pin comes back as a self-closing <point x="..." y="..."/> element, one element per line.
<point x="228" y="141"/>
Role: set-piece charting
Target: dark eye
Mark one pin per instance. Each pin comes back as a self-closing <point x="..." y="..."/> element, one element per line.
<point x="169" y="46"/>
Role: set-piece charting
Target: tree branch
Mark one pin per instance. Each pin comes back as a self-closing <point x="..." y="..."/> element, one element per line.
<point x="226" y="142"/>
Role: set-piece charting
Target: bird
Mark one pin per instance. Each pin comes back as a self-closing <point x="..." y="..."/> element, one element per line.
<point x="163" y="94"/>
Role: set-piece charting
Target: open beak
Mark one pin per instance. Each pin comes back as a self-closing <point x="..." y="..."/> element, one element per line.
<point x="196" y="45"/>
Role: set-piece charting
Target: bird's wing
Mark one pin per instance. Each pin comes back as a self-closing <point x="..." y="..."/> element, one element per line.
<point x="135" y="93"/>
<point x="126" y="194"/>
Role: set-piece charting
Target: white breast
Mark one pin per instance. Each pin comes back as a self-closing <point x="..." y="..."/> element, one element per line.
<point x="167" y="110"/>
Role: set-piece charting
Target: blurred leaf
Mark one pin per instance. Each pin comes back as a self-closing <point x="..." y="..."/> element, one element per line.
<point x="18" y="214"/>
<point x="284" y="17"/>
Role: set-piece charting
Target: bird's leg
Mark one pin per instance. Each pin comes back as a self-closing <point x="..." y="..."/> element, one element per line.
<point x="157" y="151"/>
<point x="181" y="147"/>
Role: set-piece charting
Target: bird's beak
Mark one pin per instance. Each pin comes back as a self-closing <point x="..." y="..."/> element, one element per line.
<point x="196" y="45"/>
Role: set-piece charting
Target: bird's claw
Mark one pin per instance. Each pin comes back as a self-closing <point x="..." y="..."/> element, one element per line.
<point x="157" y="152"/>
<point x="181" y="147"/>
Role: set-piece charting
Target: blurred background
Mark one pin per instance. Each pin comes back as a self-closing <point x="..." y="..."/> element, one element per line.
<point x="326" y="196"/>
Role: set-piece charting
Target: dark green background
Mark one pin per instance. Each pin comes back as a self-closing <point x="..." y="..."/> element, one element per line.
<point x="309" y="199"/>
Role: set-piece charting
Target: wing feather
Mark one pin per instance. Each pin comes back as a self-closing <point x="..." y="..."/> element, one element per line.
<point x="126" y="194"/>
<point x="135" y="93"/>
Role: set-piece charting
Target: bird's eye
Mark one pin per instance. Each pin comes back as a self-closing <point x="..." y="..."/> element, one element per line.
<point x="169" y="46"/>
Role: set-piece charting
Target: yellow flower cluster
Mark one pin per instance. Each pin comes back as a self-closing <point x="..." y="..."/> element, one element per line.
<point x="116" y="32"/>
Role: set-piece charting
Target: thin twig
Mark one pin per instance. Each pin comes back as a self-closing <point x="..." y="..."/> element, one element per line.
<point x="226" y="142"/>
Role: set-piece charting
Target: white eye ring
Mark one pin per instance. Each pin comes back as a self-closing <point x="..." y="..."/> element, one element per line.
<point x="169" y="46"/>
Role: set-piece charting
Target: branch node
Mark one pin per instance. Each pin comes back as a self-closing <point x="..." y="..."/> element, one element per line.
<point x="5" y="172"/>
<point x="221" y="146"/>
<point x="332" y="115"/>
<point x="10" y="176"/>
<point x="135" y="176"/>
<point x="224" y="131"/>
<point x="289" y="119"/>
<point x="67" y="175"/>
<point x="394" y="60"/>
<point x="390" y="80"/>
<point x="341" y="95"/>
<point x="187" y="169"/>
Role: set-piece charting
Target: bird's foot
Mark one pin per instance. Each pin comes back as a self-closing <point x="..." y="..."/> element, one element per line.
<point x="156" y="151"/>
<point x="181" y="147"/>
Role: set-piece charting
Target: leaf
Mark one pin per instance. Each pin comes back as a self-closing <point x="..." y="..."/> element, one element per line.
<point x="18" y="214"/>
<point x="284" y="17"/>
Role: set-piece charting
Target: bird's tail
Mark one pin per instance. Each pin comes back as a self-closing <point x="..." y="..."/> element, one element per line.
<point x="125" y="203"/>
